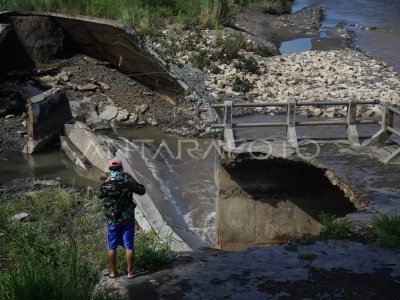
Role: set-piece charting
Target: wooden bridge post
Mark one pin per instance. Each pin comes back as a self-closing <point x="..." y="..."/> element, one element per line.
<point x="228" y="131"/>
<point x="352" y="133"/>
<point x="291" y="123"/>
<point x="383" y="134"/>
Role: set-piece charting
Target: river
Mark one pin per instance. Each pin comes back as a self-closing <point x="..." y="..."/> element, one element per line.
<point x="383" y="42"/>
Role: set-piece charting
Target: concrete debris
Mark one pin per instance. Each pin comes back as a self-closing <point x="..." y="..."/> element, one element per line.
<point x="104" y="86"/>
<point x="143" y="108"/>
<point x="89" y="87"/>
<point x="133" y="118"/>
<point x="50" y="182"/>
<point x="64" y="76"/>
<point x="20" y="217"/>
<point x="123" y="115"/>
<point x="108" y="113"/>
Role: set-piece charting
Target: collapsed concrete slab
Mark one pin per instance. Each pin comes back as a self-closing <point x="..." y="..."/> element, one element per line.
<point x="4" y="28"/>
<point x="47" y="114"/>
<point x="43" y="35"/>
<point x="88" y="149"/>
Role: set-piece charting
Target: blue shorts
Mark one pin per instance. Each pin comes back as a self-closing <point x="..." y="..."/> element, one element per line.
<point x="122" y="235"/>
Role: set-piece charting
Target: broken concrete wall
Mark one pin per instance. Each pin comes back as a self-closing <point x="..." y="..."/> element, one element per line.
<point x="40" y="36"/>
<point x="103" y="39"/>
<point x="264" y="202"/>
<point x="48" y="112"/>
<point x="13" y="56"/>
<point x="95" y="152"/>
<point x="4" y="28"/>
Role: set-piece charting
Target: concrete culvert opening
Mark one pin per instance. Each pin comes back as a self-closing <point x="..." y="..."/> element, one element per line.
<point x="264" y="202"/>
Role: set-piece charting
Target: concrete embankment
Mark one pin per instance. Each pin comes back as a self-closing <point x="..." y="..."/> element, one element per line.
<point x="89" y="150"/>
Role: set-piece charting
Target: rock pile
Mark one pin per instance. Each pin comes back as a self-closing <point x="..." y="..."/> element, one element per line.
<point x="311" y="76"/>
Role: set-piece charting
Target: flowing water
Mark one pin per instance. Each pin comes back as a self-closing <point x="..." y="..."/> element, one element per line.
<point x="383" y="42"/>
<point x="178" y="174"/>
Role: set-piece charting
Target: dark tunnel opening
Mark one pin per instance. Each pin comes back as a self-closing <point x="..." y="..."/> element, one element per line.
<point x="264" y="202"/>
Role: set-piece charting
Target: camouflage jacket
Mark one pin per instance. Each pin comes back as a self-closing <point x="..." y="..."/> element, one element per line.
<point x="117" y="199"/>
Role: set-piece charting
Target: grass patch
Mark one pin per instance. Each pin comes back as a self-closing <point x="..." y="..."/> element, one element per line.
<point x="305" y="240"/>
<point x="385" y="230"/>
<point x="151" y="250"/>
<point x="148" y="13"/>
<point x="333" y="227"/>
<point x="41" y="66"/>
<point x="61" y="250"/>
<point x="274" y="7"/>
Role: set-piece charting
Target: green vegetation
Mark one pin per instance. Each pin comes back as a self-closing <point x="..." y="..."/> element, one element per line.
<point x="333" y="227"/>
<point x="150" y="13"/>
<point x="385" y="230"/>
<point x="271" y="6"/>
<point x="59" y="252"/>
<point x="307" y="256"/>
<point x="41" y="66"/>
<point x="205" y="52"/>
<point x="306" y="240"/>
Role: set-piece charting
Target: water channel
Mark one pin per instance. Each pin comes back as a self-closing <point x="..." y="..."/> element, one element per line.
<point x="183" y="170"/>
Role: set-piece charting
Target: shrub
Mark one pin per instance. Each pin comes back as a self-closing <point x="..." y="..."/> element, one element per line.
<point x="333" y="227"/>
<point x="385" y="230"/>
<point x="241" y="85"/>
<point x="56" y="273"/>
<point x="151" y="250"/>
<point x="60" y="251"/>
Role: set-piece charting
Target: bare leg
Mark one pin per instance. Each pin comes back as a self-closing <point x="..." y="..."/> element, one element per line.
<point x="112" y="257"/>
<point x="129" y="256"/>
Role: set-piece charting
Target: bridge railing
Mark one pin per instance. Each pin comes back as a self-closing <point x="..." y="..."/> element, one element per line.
<point x="225" y="117"/>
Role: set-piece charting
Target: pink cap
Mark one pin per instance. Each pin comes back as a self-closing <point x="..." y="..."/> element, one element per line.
<point x="115" y="162"/>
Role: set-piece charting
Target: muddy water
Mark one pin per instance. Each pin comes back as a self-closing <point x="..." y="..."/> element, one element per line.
<point x="50" y="164"/>
<point x="178" y="174"/>
<point x="383" y="43"/>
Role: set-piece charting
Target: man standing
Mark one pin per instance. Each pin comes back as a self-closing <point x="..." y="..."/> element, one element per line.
<point x="116" y="192"/>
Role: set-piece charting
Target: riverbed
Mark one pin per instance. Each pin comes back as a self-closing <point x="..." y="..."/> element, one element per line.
<point x="375" y="22"/>
<point x="185" y="179"/>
